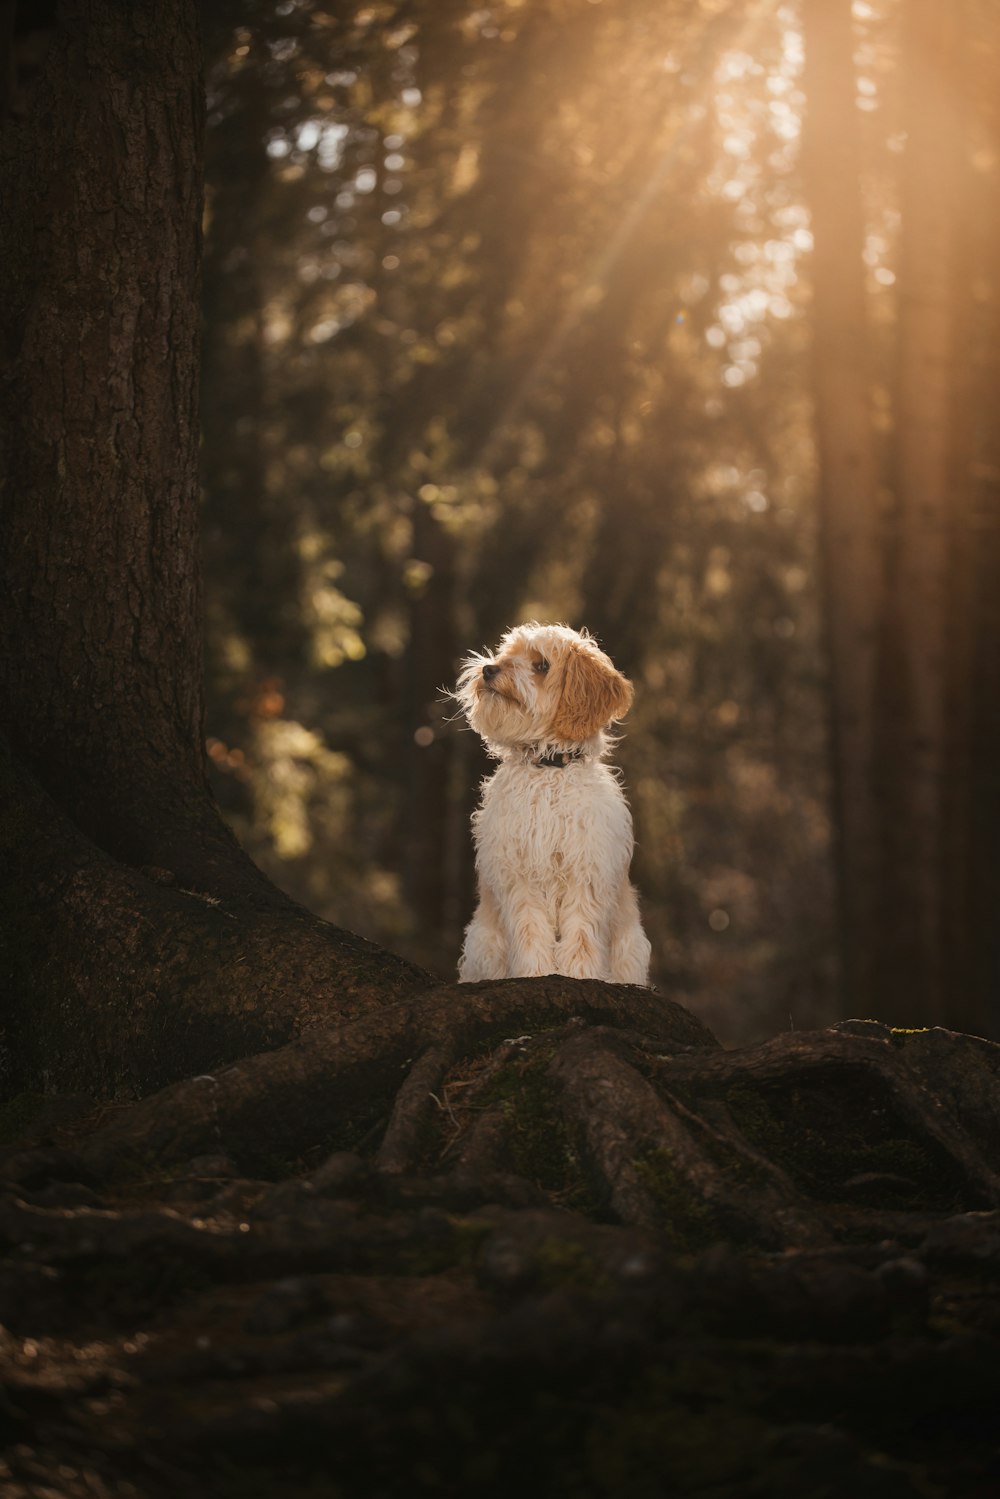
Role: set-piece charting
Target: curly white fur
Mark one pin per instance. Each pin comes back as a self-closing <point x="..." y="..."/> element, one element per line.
<point x="553" y="840"/>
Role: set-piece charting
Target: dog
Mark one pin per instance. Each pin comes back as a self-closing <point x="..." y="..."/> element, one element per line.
<point x="553" y="832"/>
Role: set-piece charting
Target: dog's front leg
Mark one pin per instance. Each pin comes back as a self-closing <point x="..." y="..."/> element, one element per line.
<point x="531" y="934"/>
<point x="484" y="951"/>
<point x="582" y="952"/>
<point x="630" y="948"/>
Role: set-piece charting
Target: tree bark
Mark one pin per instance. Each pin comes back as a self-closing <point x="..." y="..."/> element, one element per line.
<point x="101" y="676"/>
<point x="119" y="980"/>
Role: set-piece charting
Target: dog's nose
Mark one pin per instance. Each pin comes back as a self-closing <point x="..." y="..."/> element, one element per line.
<point x="489" y="672"/>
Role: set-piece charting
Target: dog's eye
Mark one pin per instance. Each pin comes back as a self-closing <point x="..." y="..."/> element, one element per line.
<point x="541" y="667"/>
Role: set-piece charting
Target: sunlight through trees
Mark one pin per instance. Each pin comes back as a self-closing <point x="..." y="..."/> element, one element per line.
<point x="606" y="313"/>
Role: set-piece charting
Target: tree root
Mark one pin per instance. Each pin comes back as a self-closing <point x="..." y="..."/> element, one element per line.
<point x="121" y="979"/>
<point x="333" y="1085"/>
<point x="608" y="1099"/>
<point x="557" y="1218"/>
<point x="399" y="1148"/>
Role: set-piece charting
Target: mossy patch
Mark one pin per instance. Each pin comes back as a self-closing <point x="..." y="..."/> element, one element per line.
<point x="688" y="1222"/>
<point x="840" y="1138"/>
<point x="541" y="1146"/>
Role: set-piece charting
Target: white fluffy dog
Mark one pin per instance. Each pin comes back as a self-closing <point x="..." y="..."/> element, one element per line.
<point x="553" y="832"/>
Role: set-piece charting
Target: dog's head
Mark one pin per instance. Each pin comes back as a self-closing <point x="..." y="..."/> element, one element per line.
<point x="543" y="685"/>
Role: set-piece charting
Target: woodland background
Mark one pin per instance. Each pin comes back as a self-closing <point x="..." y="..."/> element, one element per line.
<point x="677" y="320"/>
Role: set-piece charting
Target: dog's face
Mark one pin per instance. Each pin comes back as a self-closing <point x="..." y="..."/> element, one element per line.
<point x="543" y="684"/>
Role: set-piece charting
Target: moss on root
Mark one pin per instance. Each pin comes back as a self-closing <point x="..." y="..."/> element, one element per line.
<point x="687" y="1220"/>
<point x="541" y="1145"/>
<point x="857" y="1153"/>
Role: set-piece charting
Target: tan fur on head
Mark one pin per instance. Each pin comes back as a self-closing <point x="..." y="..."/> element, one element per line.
<point x="593" y="695"/>
<point x="544" y="685"/>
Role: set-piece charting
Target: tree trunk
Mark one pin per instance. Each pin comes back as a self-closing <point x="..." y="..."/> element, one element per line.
<point x="931" y="490"/>
<point x="971" y="810"/>
<point x="848" y="472"/>
<point x="138" y="940"/>
<point x="102" y="196"/>
<point x="905" y="629"/>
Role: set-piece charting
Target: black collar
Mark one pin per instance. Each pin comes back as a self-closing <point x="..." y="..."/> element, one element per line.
<point x="558" y="759"/>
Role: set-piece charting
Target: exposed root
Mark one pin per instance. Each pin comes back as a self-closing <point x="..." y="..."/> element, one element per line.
<point x="185" y="1327"/>
<point x="401" y="1143"/>
<point x="481" y="1149"/>
<point x="344" y="1078"/>
<point x="596" y="1098"/>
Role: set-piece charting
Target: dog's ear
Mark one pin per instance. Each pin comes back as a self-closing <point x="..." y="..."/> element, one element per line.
<point x="592" y="695"/>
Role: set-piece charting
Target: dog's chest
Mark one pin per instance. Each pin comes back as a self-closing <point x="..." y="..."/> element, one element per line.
<point x="546" y="822"/>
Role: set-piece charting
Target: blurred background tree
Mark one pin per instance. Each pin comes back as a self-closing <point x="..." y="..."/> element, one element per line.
<point x="673" y="319"/>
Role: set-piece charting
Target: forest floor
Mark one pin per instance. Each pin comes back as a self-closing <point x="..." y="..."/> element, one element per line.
<point x="328" y="1326"/>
